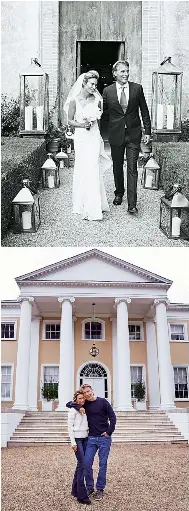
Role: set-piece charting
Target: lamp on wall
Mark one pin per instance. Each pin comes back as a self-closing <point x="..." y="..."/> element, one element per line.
<point x="94" y="351"/>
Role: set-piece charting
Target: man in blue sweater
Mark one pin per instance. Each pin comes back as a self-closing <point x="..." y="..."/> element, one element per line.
<point x="101" y="420"/>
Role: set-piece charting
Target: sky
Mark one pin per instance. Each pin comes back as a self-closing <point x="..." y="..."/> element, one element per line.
<point x="171" y="263"/>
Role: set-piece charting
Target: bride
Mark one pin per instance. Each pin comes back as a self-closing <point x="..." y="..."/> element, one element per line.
<point x="84" y="109"/>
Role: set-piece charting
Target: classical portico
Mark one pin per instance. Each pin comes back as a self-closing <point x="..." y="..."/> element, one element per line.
<point x="127" y="299"/>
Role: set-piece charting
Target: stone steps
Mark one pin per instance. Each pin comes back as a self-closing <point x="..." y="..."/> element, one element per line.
<point x="50" y="428"/>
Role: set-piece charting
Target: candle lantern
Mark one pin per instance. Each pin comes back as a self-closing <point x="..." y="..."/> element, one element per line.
<point x="26" y="210"/>
<point x="34" y="100"/>
<point x="50" y="173"/>
<point x="61" y="156"/>
<point x="166" y="101"/>
<point x="174" y="214"/>
<point x="150" y="176"/>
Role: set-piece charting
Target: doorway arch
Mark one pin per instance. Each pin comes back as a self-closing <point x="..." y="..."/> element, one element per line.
<point x="97" y="375"/>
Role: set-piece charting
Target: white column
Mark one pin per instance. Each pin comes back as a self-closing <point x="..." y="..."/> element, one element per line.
<point x="152" y="366"/>
<point x="33" y="371"/>
<point x="166" y="377"/>
<point x="114" y="359"/>
<point x="65" y="389"/>
<point x="123" y="356"/>
<point x="23" y="355"/>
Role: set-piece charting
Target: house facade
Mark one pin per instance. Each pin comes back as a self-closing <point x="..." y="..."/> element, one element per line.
<point x="94" y="304"/>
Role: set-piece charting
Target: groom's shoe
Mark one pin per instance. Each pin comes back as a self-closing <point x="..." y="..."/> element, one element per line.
<point x="133" y="211"/>
<point x="117" y="201"/>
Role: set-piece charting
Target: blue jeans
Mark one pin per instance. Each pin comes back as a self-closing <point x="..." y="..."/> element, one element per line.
<point x="101" y="444"/>
<point x="78" y="485"/>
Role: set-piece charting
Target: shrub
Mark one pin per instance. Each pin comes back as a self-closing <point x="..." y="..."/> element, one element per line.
<point x="21" y="158"/>
<point x="10" y="116"/>
<point x="49" y="391"/>
<point x="139" y="390"/>
<point x="184" y="130"/>
<point x="173" y="158"/>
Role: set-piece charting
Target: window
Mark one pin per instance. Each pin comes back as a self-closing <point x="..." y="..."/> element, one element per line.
<point x="134" y="332"/>
<point x="136" y="375"/>
<point x="93" y="329"/>
<point x="52" y="331"/>
<point x="8" y="330"/>
<point x="177" y="332"/>
<point x="6" y="382"/>
<point x="51" y="374"/>
<point x="181" y="382"/>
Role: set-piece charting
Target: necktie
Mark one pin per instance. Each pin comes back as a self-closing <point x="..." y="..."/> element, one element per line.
<point x="123" y="100"/>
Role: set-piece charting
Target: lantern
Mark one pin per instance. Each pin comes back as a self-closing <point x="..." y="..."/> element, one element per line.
<point x="26" y="210"/>
<point x="174" y="214"/>
<point x="61" y="156"/>
<point x="94" y="351"/>
<point x="34" y="100"/>
<point x="166" y="101"/>
<point x="150" y="176"/>
<point x="50" y="174"/>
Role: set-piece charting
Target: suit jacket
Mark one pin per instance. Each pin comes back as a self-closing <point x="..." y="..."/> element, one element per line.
<point x="118" y="120"/>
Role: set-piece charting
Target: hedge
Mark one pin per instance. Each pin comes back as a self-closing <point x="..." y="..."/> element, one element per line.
<point x="20" y="158"/>
<point x="173" y="158"/>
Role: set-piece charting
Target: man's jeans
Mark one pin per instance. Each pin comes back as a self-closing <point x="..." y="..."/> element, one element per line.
<point x="78" y="485"/>
<point x="101" y="444"/>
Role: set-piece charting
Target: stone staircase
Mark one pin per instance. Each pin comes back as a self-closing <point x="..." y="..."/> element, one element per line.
<point x="50" y="428"/>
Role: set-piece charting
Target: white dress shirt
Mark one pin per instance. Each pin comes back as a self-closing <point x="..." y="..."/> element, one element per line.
<point x="126" y="90"/>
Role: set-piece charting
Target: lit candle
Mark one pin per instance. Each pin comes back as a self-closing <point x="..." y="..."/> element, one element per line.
<point x="39" y="114"/>
<point x="170" y="117"/>
<point x="176" y="221"/>
<point x="28" y="118"/>
<point x="51" y="181"/>
<point x="26" y="220"/>
<point x="159" y="117"/>
<point x="61" y="164"/>
<point x="69" y="149"/>
<point x="149" y="180"/>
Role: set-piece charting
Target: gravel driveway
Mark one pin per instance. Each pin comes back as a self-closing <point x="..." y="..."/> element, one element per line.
<point x="59" y="227"/>
<point x="140" y="478"/>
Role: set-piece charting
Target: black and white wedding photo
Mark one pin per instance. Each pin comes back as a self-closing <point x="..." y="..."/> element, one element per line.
<point x="95" y="123"/>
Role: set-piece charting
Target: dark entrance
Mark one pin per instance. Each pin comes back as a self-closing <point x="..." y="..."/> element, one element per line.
<point x="99" y="56"/>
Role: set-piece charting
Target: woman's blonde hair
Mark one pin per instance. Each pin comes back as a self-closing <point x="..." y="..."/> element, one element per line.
<point x="76" y="394"/>
<point x="88" y="75"/>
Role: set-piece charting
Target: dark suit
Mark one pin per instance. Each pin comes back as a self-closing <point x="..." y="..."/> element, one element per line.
<point x="124" y="130"/>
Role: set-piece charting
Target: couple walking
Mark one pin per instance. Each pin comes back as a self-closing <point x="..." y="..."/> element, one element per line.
<point x="84" y="107"/>
<point x="91" y="421"/>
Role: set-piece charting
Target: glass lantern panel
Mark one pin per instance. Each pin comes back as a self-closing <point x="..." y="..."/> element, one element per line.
<point x="168" y="97"/>
<point x="34" y="103"/>
<point x="23" y="217"/>
<point x="49" y="178"/>
<point x="36" y="214"/>
<point x="151" y="178"/>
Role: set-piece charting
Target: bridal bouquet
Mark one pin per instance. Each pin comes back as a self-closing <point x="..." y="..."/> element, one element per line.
<point x="92" y="113"/>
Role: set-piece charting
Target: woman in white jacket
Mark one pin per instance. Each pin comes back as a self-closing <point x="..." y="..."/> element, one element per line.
<point x="78" y="432"/>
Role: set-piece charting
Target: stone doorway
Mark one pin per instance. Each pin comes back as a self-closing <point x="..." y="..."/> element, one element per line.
<point x="96" y="376"/>
<point x="99" y="56"/>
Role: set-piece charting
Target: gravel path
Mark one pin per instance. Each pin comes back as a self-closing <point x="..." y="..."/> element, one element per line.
<point x="140" y="478"/>
<point x="59" y="227"/>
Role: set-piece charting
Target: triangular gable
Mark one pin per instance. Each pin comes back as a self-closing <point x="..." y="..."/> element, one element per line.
<point x="93" y="265"/>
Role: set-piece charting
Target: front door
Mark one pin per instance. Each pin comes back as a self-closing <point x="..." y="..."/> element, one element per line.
<point x="97" y="384"/>
<point x="100" y="56"/>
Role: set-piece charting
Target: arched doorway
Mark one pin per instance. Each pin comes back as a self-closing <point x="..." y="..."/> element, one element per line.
<point x="95" y="375"/>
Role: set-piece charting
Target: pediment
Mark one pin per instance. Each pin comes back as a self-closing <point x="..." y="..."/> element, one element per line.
<point x="92" y="266"/>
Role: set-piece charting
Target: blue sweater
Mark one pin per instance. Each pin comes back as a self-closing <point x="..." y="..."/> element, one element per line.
<point x="100" y="416"/>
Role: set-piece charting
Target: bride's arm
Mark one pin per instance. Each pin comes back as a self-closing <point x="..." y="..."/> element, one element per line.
<point x="71" y="114"/>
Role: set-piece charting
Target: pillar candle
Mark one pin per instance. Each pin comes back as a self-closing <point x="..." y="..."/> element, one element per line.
<point x="61" y="164"/>
<point x="28" y="118"/>
<point x="159" y="117"/>
<point x="69" y="149"/>
<point x="26" y="220"/>
<point x="39" y="113"/>
<point x="176" y="221"/>
<point x="149" y="180"/>
<point x="170" y="117"/>
<point x="51" y="181"/>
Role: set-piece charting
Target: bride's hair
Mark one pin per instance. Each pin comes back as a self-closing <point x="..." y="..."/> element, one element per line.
<point x="88" y="75"/>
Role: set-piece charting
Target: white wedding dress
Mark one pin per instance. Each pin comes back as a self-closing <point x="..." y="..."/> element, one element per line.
<point x="89" y="196"/>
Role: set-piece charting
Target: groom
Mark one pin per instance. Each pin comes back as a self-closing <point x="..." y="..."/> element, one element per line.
<point x="123" y="99"/>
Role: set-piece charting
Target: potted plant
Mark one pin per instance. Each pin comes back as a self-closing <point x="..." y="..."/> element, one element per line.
<point x="55" y="137"/>
<point x="49" y="392"/>
<point x="140" y="395"/>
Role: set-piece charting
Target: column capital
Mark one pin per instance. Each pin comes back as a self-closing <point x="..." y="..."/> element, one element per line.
<point x="29" y="299"/>
<point x="62" y="299"/>
<point x="119" y="300"/>
<point x="157" y="301"/>
<point x="112" y="318"/>
<point x="74" y="318"/>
